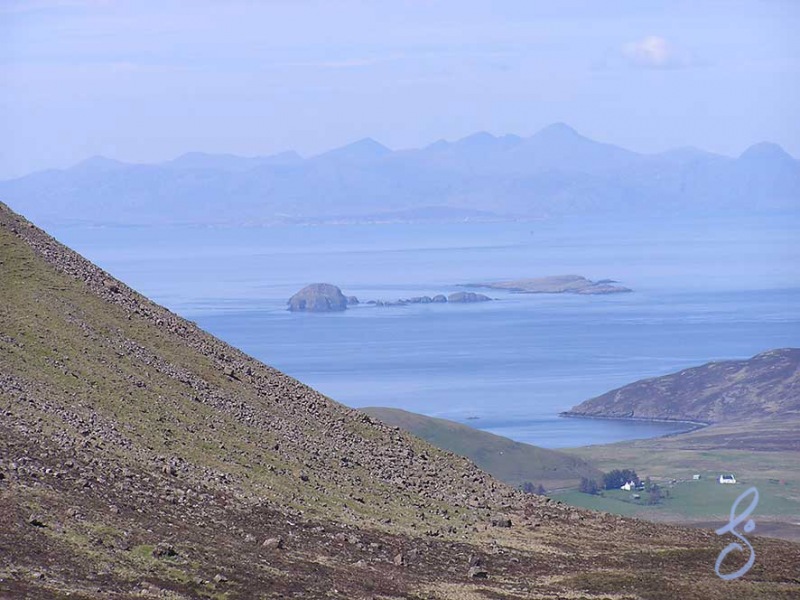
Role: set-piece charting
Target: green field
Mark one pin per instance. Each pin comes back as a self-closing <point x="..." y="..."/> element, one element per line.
<point x="760" y="453"/>
<point x="690" y="500"/>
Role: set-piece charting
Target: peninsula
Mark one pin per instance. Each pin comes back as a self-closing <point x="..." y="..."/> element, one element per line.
<point x="751" y="409"/>
<point x="762" y="387"/>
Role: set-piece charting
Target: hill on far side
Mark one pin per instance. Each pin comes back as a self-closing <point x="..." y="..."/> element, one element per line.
<point x="766" y="386"/>
<point x="512" y="462"/>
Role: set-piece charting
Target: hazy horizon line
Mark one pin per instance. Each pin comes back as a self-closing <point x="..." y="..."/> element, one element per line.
<point x="370" y="139"/>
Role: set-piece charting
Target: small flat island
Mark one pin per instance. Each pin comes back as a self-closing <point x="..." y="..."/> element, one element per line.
<point x="557" y="284"/>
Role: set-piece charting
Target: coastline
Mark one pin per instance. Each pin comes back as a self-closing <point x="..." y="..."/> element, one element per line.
<point x="694" y="425"/>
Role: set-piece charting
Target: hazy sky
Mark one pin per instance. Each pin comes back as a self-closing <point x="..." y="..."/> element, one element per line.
<point x="146" y="81"/>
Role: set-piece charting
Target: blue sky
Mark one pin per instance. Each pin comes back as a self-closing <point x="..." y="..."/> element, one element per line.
<point x="146" y="81"/>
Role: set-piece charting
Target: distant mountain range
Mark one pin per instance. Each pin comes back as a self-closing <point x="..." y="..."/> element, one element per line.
<point x="555" y="172"/>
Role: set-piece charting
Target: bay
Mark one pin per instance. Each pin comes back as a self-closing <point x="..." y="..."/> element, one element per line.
<point x="705" y="289"/>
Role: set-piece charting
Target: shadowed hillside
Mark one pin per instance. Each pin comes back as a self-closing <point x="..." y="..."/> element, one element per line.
<point x="142" y="457"/>
<point x="764" y="386"/>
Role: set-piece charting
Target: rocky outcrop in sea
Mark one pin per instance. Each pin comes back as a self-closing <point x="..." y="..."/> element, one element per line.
<point x="325" y="297"/>
<point x="320" y="297"/>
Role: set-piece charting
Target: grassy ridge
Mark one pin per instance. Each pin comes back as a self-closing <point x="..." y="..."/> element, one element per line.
<point x="137" y="392"/>
<point x="509" y="461"/>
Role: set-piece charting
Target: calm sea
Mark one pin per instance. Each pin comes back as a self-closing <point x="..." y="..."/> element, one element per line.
<point x="705" y="290"/>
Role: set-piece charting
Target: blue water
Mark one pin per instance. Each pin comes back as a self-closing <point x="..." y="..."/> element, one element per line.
<point x="704" y="290"/>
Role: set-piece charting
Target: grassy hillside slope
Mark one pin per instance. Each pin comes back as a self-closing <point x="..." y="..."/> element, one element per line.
<point x="143" y="458"/>
<point x="509" y="461"/>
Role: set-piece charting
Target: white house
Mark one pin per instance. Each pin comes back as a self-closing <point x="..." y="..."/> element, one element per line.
<point x="630" y="485"/>
<point x="729" y="478"/>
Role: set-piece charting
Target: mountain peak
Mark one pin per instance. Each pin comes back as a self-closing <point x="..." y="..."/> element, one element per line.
<point x="558" y="131"/>
<point x="478" y="138"/>
<point x="370" y="143"/>
<point x="98" y="163"/>
<point x="365" y="148"/>
<point x="439" y="144"/>
<point x="766" y="151"/>
<point x="484" y="142"/>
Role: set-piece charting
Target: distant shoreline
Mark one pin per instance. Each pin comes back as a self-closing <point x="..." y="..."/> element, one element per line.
<point x="695" y="425"/>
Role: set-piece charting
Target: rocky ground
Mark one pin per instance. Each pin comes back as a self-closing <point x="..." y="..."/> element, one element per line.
<point x="141" y="457"/>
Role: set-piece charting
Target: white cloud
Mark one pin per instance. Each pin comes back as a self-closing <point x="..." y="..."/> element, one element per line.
<point x="654" y="52"/>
